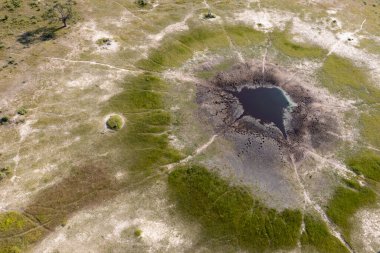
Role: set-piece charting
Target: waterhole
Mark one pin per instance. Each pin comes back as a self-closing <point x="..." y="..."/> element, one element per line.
<point x="266" y="104"/>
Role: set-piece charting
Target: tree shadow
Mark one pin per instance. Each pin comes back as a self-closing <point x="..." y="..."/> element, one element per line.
<point x="38" y="35"/>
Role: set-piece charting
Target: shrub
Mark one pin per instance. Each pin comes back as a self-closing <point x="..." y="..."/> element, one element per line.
<point x="115" y="122"/>
<point x="103" y="42"/>
<point x="4" y="120"/>
<point x="142" y="3"/>
<point x="4" y="172"/>
<point x="22" y="111"/>
<point x="138" y="232"/>
<point x="209" y="15"/>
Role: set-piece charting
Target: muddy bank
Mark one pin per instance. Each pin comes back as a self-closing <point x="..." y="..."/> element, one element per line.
<point x="305" y="123"/>
<point x="263" y="153"/>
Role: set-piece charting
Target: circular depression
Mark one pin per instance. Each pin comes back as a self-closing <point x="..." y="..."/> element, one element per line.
<point x="269" y="105"/>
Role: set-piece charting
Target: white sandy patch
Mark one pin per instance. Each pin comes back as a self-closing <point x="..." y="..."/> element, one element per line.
<point x="264" y="20"/>
<point x="91" y="31"/>
<point x="176" y="143"/>
<point x="338" y="44"/>
<point x="113" y="224"/>
<point x="85" y="81"/>
<point x="124" y="19"/>
<point x="26" y="129"/>
<point x="46" y="169"/>
<point x="369" y="229"/>
<point x="177" y="27"/>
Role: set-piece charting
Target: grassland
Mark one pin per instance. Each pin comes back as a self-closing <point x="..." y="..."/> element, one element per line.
<point x="230" y="212"/>
<point x="147" y="124"/>
<point x="317" y="237"/>
<point x="342" y="77"/>
<point x="366" y="163"/>
<point x="346" y="201"/>
<point x="282" y="42"/>
<point x="17" y="231"/>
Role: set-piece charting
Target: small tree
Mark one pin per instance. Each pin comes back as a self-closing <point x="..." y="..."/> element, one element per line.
<point x="142" y="3"/>
<point x="60" y="11"/>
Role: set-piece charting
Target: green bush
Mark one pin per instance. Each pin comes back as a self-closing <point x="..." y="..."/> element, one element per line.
<point x="5" y="172"/>
<point x="115" y="122"/>
<point x="209" y="15"/>
<point x="4" y="120"/>
<point x="231" y="213"/>
<point x="103" y="41"/>
<point x="22" y="111"/>
<point x="138" y="232"/>
<point x="142" y="3"/>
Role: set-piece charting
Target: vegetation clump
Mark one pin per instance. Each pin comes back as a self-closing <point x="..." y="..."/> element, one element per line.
<point x="138" y="232"/>
<point x="4" y="120"/>
<point x="103" y="42"/>
<point x="4" y="172"/>
<point x="317" y="236"/>
<point x="231" y="213"/>
<point x="142" y="3"/>
<point x="115" y="122"/>
<point x="22" y="111"/>
<point x="346" y="201"/>
<point x="209" y="15"/>
<point x="60" y="11"/>
<point x="17" y="232"/>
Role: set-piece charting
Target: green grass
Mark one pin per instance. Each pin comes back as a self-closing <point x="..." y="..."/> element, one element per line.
<point x="244" y="36"/>
<point x="346" y="201"/>
<point x="12" y="224"/>
<point x="144" y="141"/>
<point x="282" y="42"/>
<point x="370" y="128"/>
<point x="341" y="76"/>
<point x="231" y="213"/>
<point x="317" y="237"/>
<point x="115" y="122"/>
<point x="174" y="51"/>
<point x="365" y="163"/>
<point x="22" y="111"/>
